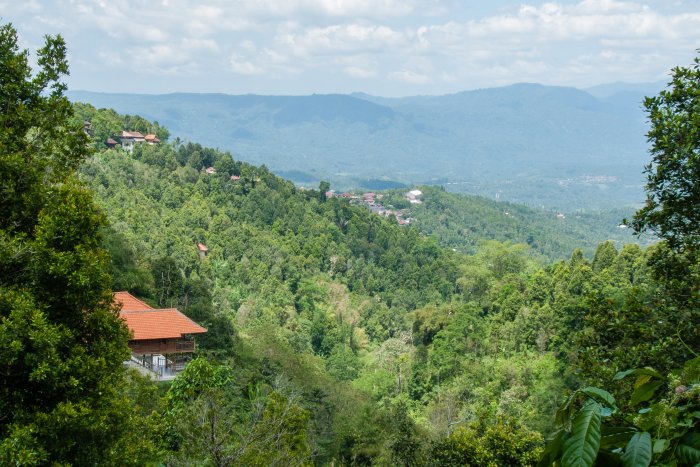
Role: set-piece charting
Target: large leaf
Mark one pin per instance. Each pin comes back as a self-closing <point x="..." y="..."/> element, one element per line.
<point x="638" y="371"/>
<point x="616" y="436"/>
<point x="601" y="395"/>
<point x="645" y="392"/>
<point x="581" y="447"/>
<point x="562" y="418"/>
<point x="660" y="445"/>
<point x="638" y="451"/>
<point x="641" y="380"/>
<point x="552" y="450"/>
<point x="688" y="450"/>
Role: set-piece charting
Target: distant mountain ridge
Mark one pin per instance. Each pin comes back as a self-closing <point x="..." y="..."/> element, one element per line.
<point x="529" y="143"/>
<point x="607" y="90"/>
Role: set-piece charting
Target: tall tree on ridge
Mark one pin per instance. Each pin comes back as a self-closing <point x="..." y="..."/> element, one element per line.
<point x="61" y="341"/>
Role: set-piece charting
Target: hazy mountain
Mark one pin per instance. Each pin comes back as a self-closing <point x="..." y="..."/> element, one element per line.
<point x="541" y="145"/>
<point x="604" y="91"/>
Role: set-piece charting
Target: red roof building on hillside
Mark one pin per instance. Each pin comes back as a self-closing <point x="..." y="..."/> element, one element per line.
<point x="130" y="303"/>
<point x="129" y="138"/>
<point x="151" y="139"/>
<point x="167" y="323"/>
<point x="133" y="134"/>
<point x="166" y="333"/>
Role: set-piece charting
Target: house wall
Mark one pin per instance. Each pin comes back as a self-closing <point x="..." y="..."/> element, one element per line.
<point x="160" y="346"/>
<point x="128" y="145"/>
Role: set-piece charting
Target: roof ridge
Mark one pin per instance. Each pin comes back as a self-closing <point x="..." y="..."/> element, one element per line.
<point x="151" y="310"/>
<point x="124" y="296"/>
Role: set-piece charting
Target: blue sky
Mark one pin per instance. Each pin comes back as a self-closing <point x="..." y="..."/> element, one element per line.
<point x="382" y="47"/>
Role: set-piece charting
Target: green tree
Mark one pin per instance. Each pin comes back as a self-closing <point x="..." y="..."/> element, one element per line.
<point x="210" y="425"/>
<point x="657" y="426"/>
<point x="673" y="176"/>
<point x="604" y="257"/>
<point x="61" y="341"/>
<point x="168" y="281"/>
<point x="673" y="197"/>
<point x="405" y="444"/>
<point x="505" y="443"/>
<point x="323" y="187"/>
<point x="633" y="321"/>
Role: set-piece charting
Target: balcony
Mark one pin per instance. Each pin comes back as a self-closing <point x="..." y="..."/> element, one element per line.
<point x="184" y="346"/>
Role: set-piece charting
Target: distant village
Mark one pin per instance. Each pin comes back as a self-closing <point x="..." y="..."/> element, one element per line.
<point x="127" y="139"/>
<point x="373" y="202"/>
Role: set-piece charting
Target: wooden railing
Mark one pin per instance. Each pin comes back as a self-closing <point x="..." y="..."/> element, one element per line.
<point x="182" y="346"/>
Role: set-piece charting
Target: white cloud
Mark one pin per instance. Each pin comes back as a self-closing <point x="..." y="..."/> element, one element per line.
<point x="606" y="6"/>
<point x="357" y="66"/>
<point x="241" y="66"/>
<point x="312" y="44"/>
<point x="364" y="7"/>
<point x="359" y="72"/>
<point x="590" y="19"/>
<point x="409" y="76"/>
<point x="577" y="44"/>
<point x="341" y="39"/>
<point x="375" y="9"/>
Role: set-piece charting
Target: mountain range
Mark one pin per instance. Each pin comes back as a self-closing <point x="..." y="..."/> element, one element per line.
<point x="549" y="146"/>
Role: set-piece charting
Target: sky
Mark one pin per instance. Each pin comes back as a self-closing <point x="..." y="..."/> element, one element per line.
<point x="381" y="47"/>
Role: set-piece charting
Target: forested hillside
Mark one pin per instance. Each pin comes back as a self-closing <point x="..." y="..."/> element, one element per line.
<point x="462" y="222"/>
<point x="335" y="336"/>
<point x="380" y="345"/>
<point x="558" y="147"/>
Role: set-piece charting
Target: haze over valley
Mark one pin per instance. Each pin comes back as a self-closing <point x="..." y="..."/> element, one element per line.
<point x="556" y="147"/>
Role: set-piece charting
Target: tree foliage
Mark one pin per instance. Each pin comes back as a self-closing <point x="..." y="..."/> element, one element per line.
<point x="673" y="176"/>
<point x="658" y="424"/>
<point x="61" y="342"/>
<point x="655" y="323"/>
<point x="494" y="444"/>
<point x="334" y="335"/>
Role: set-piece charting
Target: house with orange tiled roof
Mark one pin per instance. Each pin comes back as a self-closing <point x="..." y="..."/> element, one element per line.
<point x="129" y="138"/>
<point x="128" y="302"/>
<point x="161" y="339"/>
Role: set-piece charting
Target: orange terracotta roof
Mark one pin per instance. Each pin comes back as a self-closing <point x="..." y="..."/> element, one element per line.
<point x="168" y="323"/>
<point x="202" y="247"/>
<point x="130" y="303"/>
<point x="145" y="322"/>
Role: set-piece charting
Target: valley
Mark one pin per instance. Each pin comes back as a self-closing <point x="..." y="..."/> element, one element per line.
<point x="544" y="146"/>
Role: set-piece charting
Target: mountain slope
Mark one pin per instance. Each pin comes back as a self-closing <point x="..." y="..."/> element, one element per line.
<point x="540" y="145"/>
<point x="463" y="222"/>
<point x="370" y="332"/>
